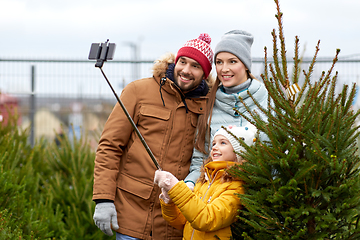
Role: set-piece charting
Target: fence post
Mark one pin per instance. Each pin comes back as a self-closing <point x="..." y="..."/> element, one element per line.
<point x="32" y="107"/>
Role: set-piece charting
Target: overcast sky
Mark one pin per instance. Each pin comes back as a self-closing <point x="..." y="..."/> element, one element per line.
<point x="66" y="28"/>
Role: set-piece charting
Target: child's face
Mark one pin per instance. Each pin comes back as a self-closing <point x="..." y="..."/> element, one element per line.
<point x="222" y="149"/>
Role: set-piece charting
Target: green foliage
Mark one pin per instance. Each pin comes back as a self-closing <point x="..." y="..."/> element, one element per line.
<point x="19" y="186"/>
<point x="45" y="190"/>
<point x="70" y="185"/>
<point x="303" y="182"/>
<point x="6" y="224"/>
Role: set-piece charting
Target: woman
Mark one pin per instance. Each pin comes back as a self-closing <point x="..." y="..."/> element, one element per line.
<point x="234" y="80"/>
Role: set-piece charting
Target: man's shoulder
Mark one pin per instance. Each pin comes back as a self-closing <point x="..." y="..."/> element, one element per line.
<point x="149" y="80"/>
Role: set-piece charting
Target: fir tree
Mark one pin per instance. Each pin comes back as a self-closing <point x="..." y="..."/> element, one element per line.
<point x="303" y="181"/>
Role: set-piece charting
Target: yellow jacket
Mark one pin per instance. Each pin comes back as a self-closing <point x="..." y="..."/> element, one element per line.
<point x="209" y="210"/>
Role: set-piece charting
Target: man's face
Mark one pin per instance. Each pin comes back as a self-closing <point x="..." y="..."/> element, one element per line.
<point x="188" y="74"/>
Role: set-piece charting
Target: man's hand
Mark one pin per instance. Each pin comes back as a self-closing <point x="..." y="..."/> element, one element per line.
<point x="165" y="180"/>
<point x="105" y="217"/>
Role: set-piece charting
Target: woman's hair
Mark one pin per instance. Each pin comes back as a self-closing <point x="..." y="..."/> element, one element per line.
<point x="205" y="119"/>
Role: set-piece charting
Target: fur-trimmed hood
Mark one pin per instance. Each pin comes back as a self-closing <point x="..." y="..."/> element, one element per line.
<point x="162" y="64"/>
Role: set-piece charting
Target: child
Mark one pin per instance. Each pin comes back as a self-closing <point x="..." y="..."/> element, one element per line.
<point x="212" y="207"/>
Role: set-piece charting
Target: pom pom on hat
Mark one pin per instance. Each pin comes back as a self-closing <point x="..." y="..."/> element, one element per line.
<point x="198" y="49"/>
<point x="239" y="43"/>
<point x="205" y="37"/>
<point x="246" y="133"/>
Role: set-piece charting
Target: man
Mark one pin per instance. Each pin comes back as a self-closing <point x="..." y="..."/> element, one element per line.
<point x="165" y="109"/>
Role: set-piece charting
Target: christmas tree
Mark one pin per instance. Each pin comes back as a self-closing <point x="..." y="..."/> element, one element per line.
<point x="303" y="181"/>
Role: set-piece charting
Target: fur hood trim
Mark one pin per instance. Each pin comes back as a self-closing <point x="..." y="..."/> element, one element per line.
<point x="160" y="65"/>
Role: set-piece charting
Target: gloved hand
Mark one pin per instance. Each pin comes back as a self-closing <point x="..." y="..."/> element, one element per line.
<point x="165" y="180"/>
<point x="105" y="217"/>
<point x="165" y="196"/>
<point x="190" y="185"/>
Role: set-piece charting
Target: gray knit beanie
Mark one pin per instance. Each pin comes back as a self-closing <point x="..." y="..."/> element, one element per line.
<point x="239" y="43"/>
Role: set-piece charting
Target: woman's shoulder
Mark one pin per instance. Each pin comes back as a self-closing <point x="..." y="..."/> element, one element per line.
<point x="258" y="85"/>
<point x="258" y="90"/>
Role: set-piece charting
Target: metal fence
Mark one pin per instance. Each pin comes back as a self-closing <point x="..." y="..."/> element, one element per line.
<point x="72" y="95"/>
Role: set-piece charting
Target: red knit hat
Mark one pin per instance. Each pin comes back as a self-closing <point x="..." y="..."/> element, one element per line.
<point x="198" y="49"/>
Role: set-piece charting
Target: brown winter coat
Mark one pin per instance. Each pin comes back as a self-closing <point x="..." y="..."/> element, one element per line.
<point x="124" y="171"/>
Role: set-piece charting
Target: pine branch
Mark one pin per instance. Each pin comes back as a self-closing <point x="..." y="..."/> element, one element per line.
<point x="308" y="75"/>
<point x="274" y="85"/>
<point x="279" y="16"/>
<point x="296" y="61"/>
<point x="278" y="73"/>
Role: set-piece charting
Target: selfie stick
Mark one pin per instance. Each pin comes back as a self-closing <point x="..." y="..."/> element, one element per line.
<point x="105" y="51"/>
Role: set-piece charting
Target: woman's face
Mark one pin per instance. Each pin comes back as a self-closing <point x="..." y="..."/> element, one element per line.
<point x="230" y="70"/>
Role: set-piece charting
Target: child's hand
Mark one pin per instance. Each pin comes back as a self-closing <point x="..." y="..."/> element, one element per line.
<point x="165" y="179"/>
<point x="165" y="197"/>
